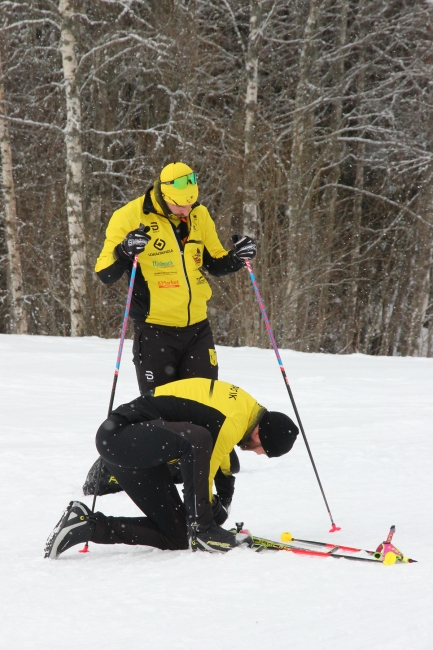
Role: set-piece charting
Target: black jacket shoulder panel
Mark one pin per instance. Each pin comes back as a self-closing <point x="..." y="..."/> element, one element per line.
<point x="139" y="410"/>
<point x="173" y="409"/>
<point x="179" y="409"/>
<point x="147" y="203"/>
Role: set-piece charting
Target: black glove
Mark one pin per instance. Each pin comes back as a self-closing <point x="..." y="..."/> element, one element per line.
<point x="220" y="509"/>
<point x="244" y="247"/>
<point x="134" y="242"/>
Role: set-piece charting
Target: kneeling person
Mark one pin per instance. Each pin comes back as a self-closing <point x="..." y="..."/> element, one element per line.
<point x="196" y="422"/>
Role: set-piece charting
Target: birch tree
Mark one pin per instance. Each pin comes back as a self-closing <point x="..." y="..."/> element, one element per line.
<point x="18" y="312"/>
<point x="250" y="216"/>
<point x="74" y="203"/>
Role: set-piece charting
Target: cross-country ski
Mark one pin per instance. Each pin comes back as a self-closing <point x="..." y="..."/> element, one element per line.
<point x="386" y="553"/>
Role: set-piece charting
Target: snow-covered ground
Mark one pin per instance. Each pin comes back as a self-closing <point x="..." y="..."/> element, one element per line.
<point x="369" y="424"/>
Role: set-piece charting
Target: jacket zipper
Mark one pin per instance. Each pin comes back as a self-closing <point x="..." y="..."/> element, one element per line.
<point x="186" y="277"/>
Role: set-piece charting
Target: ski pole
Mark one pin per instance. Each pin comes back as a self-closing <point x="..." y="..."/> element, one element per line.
<point x="286" y="381"/>
<point x="85" y="549"/>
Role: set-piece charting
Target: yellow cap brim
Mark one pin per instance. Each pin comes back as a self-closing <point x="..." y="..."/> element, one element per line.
<point x="185" y="196"/>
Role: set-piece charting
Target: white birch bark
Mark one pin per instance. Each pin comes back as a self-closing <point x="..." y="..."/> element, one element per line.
<point x="15" y="276"/>
<point x="250" y="216"/>
<point x="77" y="241"/>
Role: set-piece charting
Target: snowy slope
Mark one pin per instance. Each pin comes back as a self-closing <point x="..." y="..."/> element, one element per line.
<point x="369" y="424"/>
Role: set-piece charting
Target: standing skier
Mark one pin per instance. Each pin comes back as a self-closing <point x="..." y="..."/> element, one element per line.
<point x="172" y="336"/>
<point x="196" y="422"/>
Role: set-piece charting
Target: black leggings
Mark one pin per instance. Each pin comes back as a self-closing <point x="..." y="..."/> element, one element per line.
<point x="137" y="455"/>
<point x="163" y="354"/>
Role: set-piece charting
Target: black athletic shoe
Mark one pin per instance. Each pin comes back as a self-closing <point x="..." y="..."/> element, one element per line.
<point x="107" y="483"/>
<point x="76" y="526"/>
<point x="215" y="539"/>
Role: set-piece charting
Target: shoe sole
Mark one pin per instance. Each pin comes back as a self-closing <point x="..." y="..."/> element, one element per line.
<point x="61" y="530"/>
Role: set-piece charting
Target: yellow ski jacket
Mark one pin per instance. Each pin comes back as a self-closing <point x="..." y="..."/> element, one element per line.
<point x="227" y="411"/>
<point x="169" y="287"/>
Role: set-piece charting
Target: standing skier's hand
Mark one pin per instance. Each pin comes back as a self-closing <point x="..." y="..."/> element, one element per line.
<point x="135" y="241"/>
<point x="244" y="247"/>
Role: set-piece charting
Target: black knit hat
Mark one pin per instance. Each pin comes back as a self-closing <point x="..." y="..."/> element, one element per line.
<point x="277" y="433"/>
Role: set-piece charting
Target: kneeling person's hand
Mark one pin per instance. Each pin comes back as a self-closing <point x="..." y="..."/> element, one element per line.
<point x="221" y="509"/>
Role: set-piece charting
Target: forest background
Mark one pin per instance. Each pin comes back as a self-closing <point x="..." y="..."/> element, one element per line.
<point x="309" y="123"/>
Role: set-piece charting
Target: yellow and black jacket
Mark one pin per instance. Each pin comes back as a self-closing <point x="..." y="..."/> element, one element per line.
<point x="169" y="287"/>
<point x="228" y="412"/>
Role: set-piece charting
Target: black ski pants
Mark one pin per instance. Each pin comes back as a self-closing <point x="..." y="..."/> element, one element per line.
<point x="162" y="354"/>
<point x="137" y="455"/>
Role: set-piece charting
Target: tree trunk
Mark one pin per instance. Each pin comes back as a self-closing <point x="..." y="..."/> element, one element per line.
<point x="250" y="215"/>
<point x="250" y="222"/>
<point x="422" y="280"/>
<point x="331" y="193"/>
<point x="353" y="332"/>
<point x="15" y="276"/>
<point x="77" y="240"/>
<point x="299" y="179"/>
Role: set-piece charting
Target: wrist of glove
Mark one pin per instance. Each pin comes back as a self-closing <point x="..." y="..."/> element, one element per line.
<point x="244" y="247"/>
<point x="134" y="242"/>
<point x="220" y="509"/>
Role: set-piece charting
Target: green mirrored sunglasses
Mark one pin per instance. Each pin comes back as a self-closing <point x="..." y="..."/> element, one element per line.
<point x="181" y="182"/>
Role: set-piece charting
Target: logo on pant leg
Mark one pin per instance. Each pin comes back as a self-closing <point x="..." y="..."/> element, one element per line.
<point x="213" y="357"/>
<point x="149" y="375"/>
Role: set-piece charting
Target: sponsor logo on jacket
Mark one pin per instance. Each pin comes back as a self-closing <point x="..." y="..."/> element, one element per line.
<point x="168" y="284"/>
<point x="162" y="264"/>
<point x="170" y="250"/>
<point x="197" y="257"/>
<point x="233" y="392"/>
<point x="159" y="244"/>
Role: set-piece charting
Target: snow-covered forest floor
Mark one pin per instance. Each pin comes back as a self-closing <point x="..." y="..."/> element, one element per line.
<point x="369" y="424"/>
